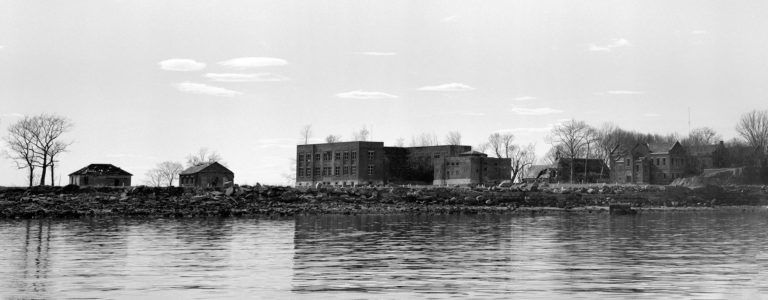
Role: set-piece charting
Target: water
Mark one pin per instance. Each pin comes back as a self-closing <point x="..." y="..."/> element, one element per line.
<point x="693" y="254"/>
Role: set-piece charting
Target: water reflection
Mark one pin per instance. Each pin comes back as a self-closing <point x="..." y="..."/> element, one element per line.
<point x="704" y="254"/>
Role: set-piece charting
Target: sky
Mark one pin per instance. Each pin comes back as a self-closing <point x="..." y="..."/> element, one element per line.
<point x="150" y="81"/>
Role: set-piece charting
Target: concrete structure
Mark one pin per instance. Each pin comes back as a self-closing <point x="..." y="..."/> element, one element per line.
<point x="100" y="175"/>
<point x="355" y="163"/>
<point x="658" y="163"/>
<point x="212" y="175"/>
<point x="471" y="168"/>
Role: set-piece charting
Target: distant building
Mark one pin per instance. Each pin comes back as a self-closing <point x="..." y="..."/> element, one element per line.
<point x="540" y="173"/>
<point x="355" y="163"/>
<point x="100" y="175"/>
<point x="470" y="168"/>
<point x="707" y="156"/>
<point x="658" y="163"/>
<point x="206" y="175"/>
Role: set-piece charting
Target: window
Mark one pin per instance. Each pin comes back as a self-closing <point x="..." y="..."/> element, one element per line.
<point x="657" y="161"/>
<point x="346" y="170"/>
<point x="370" y="170"/>
<point x="664" y="161"/>
<point x="436" y="155"/>
<point x="300" y="172"/>
<point x="346" y="155"/>
<point x="336" y="171"/>
<point x="327" y="155"/>
<point x="300" y="160"/>
<point x="325" y="171"/>
<point x="317" y="171"/>
<point x="317" y="156"/>
<point x="627" y="162"/>
<point x="371" y="155"/>
<point x="337" y="156"/>
<point x="353" y="170"/>
<point x="308" y="172"/>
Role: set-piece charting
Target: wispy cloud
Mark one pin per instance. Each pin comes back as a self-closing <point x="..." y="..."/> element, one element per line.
<point x="621" y="92"/>
<point x="450" y="19"/>
<point x="448" y="87"/>
<point x="181" y="65"/>
<point x="204" y="89"/>
<point x="615" y="43"/>
<point x="253" y="62"/>
<point x="652" y="115"/>
<point x="365" y="95"/>
<point x="525" y="98"/>
<point x="12" y="115"/>
<point x="535" y="111"/>
<point x="374" y="53"/>
<point x="249" y="77"/>
<point x="275" y="143"/>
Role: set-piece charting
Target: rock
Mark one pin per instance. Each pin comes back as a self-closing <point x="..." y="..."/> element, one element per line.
<point x="505" y="184"/>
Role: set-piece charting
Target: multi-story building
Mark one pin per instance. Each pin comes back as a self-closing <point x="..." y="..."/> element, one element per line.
<point x="658" y="163"/>
<point x="354" y="163"/>
<point x="471" y="167"/>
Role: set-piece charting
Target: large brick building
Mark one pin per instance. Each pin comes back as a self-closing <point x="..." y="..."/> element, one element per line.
<point x="469" y="168"/>
<point x="658" y="163"/>
<point x="354" y="163"/>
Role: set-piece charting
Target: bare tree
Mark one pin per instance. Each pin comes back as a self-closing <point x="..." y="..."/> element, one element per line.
<point x="591" y="137"/>
<point x="21" y="146"/>
<point x="453" y="138"/>
<point x="306" y="133"/>
<point x="58" y="148"/>
<point x="48" y="129"/>
<point x="702" y="136"/>
<point x="551" y="156"/>
<point x="169" y="172"/>
<point x="333" y="138"/>
<point x="400" y="142"/>
<point x="611" y="140"/>
<point x="522" y="158"/>
<point x="361" y="135"/>
<point x="424" y="139"/>
<point x="154" y="178"/>
<point x="203" y="156"/>
<point x="501" y="144"/>
<point x="753" y="127"/>
<point x="482" y="147"/>
<point x="571" y="136"/>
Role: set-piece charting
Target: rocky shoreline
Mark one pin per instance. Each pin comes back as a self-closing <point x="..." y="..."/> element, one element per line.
<point x="74" y="202"/>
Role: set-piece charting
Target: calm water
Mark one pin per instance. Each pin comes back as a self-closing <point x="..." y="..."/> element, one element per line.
<point x="704" y="254"/>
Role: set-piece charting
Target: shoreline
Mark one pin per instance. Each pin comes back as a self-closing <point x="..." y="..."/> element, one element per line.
<point x="256" y="201"/>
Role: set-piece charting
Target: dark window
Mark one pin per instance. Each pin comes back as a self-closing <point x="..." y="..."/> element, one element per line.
<point x="337" y="156"/>
<point x="370" y="170"/>
<point x="664" y="161"/>
<point x="371" y="155"/>
<point x="317" y="156"/>
<point x="336" y="171"/>
<point x="327" y="155"/>
<point x="308" y="172"/>
<point x="317" y="171"/>
<point x="353" y="170"/>
<point x="437" y="155"/>
<point x="346" y="155"/>
<point x="627" y="162"/>
<point x="300" y="171"/>
<point x="300" y="159"/>
<point x="346" y="170"/>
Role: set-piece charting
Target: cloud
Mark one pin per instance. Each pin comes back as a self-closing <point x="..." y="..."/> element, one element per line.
<point x="181" y="64"/>
<point x="450" y="19"/>
<point x="253" y="62"/>
<point x="525" y="98"/>
<point x="275" y="143"/>
<point x="374" y="53"/>
<point x="535" y="111"/>
<point x="204" y="89"/>
<point x="652" y="115"/>
<point x="615" y="43"/>
<point x="249" y="77"/>
<point x="448" y="87"/>
<point x="698" y="31"/>
<point x="365" y="95"/>
<point x="524" y="130"/>
<point x="12" y="115"/>
<point x="623" y="92"/>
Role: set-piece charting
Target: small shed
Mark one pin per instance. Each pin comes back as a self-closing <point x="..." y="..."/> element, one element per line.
<point x="206" y="175"/>
<point x="100" y="175"/>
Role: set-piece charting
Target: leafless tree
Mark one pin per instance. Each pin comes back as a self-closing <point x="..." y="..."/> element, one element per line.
<point x="571" y="136"/>
<point x="591" y="137"/>
<point x="453" y="138"/>
<point x="168" y="172"/>
<point x="702" y="136"/>
<point x="550" y="158"/>
<point x="48" y="130"/>
<point x="400" y="142"/>
<point x="203" y="156"/>
<point x="361" y="135"/>
<point x="753" y="127"/>
<point x="58" y="148"/>
<point x="21" y="146"/>
<point x="333" y="138"/>
<point x="424" y="139"/>
<point x="501" y="144"/>
<point x="306" y="133"/>
<point x="154" y="178"/>
<point x="522" y="158"/>
<point x="611" y="140"/>
<point x="482" y="147"/>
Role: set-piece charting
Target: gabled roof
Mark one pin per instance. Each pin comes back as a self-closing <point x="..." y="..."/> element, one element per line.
<point x="535" y="170"/>
<point x="199" y="168"/>
<point x="661" y="147"/>
<point x="101" y="170"/>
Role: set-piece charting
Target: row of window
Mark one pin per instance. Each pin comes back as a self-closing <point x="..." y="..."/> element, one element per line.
<point x="661" y="161"/>
<point x="327" y="155"/>
<point x="326" y="171"/>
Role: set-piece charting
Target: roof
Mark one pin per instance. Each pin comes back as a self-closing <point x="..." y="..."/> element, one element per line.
<point x="473" y="153"/>
<point x="702" y="149"/>
<point x="199" y="168"/>
<point x="660" y="147"/>
<point x="101" y="170"/>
